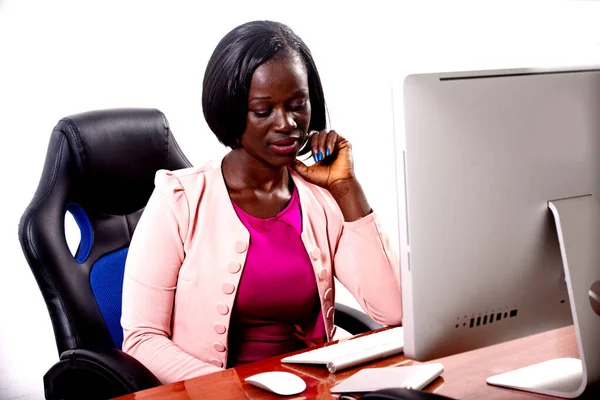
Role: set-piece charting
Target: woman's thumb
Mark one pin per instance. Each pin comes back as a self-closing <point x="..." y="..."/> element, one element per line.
<point x="300" y="168"/>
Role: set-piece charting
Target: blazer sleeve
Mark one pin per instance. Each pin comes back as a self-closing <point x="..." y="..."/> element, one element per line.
<point x="154" y="258"/>
<point x="366" y="265"/>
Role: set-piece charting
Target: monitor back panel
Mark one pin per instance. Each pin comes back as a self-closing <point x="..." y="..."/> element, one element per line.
<point x="481" y="155"/>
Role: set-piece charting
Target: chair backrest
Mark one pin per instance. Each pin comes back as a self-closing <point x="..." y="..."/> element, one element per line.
<point x="100" y="167"/>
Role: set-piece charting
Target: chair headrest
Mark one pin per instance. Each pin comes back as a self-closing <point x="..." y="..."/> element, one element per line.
<point x="116" y="154"/>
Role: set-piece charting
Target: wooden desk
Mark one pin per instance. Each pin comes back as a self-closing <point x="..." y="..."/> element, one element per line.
<point x="463" y="378"/>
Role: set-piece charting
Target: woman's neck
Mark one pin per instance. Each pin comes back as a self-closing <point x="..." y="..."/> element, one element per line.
<point x="243" y="171"/>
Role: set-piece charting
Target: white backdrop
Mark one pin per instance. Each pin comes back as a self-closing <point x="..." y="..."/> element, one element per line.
<point x="62" y="57"/>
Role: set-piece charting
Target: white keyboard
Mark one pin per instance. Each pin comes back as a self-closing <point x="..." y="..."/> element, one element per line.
<point x="354" y="351"/>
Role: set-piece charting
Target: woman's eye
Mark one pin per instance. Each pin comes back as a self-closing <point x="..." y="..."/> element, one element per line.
<point x="262" y="113"/>
<point x="298" y="105"/>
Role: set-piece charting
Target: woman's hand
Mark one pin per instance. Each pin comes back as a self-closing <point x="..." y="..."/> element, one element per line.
<point x="333" y="160"/>
<point x="334" y="171"/>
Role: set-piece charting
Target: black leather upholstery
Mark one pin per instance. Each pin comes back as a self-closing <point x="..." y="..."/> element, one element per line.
<point x="105" y="162"/>
<point x="354" y="321"/>
<point x="101" y="373"/>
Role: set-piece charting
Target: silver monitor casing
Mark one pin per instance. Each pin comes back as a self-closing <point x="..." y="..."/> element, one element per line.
<point x="483" y="158"/>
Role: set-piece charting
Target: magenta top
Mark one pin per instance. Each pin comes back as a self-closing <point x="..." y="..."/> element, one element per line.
<point x="277" y="290"/>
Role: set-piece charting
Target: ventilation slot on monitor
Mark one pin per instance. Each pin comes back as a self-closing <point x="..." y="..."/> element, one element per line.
<point x="485" y="319"/>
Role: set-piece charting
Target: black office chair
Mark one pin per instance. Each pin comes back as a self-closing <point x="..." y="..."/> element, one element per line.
<point x="100" y="167"/>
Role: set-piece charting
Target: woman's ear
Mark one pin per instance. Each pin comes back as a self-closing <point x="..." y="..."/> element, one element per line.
<point x="238" y="143"/>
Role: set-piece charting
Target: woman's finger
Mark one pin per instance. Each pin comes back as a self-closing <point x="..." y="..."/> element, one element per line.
<point x="314" y="144"/>
<point x="322" y="144"/>
<point x="332" y="138"/>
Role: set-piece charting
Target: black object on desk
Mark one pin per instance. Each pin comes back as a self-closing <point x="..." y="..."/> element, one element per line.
<point x="398" y="394"/>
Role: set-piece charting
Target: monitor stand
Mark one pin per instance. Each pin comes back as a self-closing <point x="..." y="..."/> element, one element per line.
<point x="578" y="225"/>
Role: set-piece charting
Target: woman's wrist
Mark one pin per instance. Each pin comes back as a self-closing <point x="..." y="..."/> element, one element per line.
<point x="351" y="198"/>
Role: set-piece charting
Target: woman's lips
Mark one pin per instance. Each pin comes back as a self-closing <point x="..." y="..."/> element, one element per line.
<point x="286" y="141"/>
<point x="285" y="146"/>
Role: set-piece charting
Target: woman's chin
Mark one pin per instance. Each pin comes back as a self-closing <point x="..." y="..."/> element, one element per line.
<point x="281" y="162"/>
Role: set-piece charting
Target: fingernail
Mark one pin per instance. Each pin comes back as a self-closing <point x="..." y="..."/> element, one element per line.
<point x="326" y="152"/>
<point x="320" y="155"/>
<point x="315" y="157"/>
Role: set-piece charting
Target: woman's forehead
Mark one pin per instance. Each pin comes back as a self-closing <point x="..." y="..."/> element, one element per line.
<point x="279" y="75"/>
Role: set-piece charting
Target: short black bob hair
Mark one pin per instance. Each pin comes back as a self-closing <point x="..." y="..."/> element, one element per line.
<point x="229" y="72"/>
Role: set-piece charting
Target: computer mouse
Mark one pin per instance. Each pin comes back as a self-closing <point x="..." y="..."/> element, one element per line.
<point x="403" y="394"/>
<point x="278" y="382"/>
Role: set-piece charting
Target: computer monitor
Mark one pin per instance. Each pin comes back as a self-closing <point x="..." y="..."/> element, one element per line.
<point x="483" y="161"/>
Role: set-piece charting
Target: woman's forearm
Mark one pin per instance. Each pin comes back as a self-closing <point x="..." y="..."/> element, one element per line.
<point x="351" y="199"/>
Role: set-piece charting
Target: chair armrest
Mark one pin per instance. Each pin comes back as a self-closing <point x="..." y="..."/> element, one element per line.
<point x="100" y="373"/>
<point x="354" y="321"/>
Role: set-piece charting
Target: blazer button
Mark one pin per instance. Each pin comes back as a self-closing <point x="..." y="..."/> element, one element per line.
<point x="332" y="332"/>
<point x="315" y="253"/>
<point x="222" y="309"/>
<point x="218" y="346"/>
<point x="228" y="288"/>
<point x="328" y="294"/>
<point x="241" y="247"/>
<point x="219" y="328"/>
<point x="216" y="362"/>
<point x="234" y="267"/>
<point x="323" y="274"/>
<point x="330" y="313"/>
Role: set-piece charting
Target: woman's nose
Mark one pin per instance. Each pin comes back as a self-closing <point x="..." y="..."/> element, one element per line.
<point x="285" y="121"/>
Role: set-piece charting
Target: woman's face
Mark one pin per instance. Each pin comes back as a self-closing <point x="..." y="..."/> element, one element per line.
<point x="278" y="111"/>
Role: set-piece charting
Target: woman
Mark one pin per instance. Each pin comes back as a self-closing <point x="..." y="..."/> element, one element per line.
<point x="233" y="262"/>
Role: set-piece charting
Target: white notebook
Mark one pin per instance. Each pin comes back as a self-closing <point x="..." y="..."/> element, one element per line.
<point x="354" y="351"/>
<point x="410" y="377"/>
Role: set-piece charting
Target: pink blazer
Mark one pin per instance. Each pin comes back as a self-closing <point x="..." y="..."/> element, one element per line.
<point x="188" y="253"/>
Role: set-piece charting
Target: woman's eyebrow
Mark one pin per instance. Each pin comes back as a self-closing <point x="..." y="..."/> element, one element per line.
<point x="260" y="98"/>
<point x="296" y="93"/>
